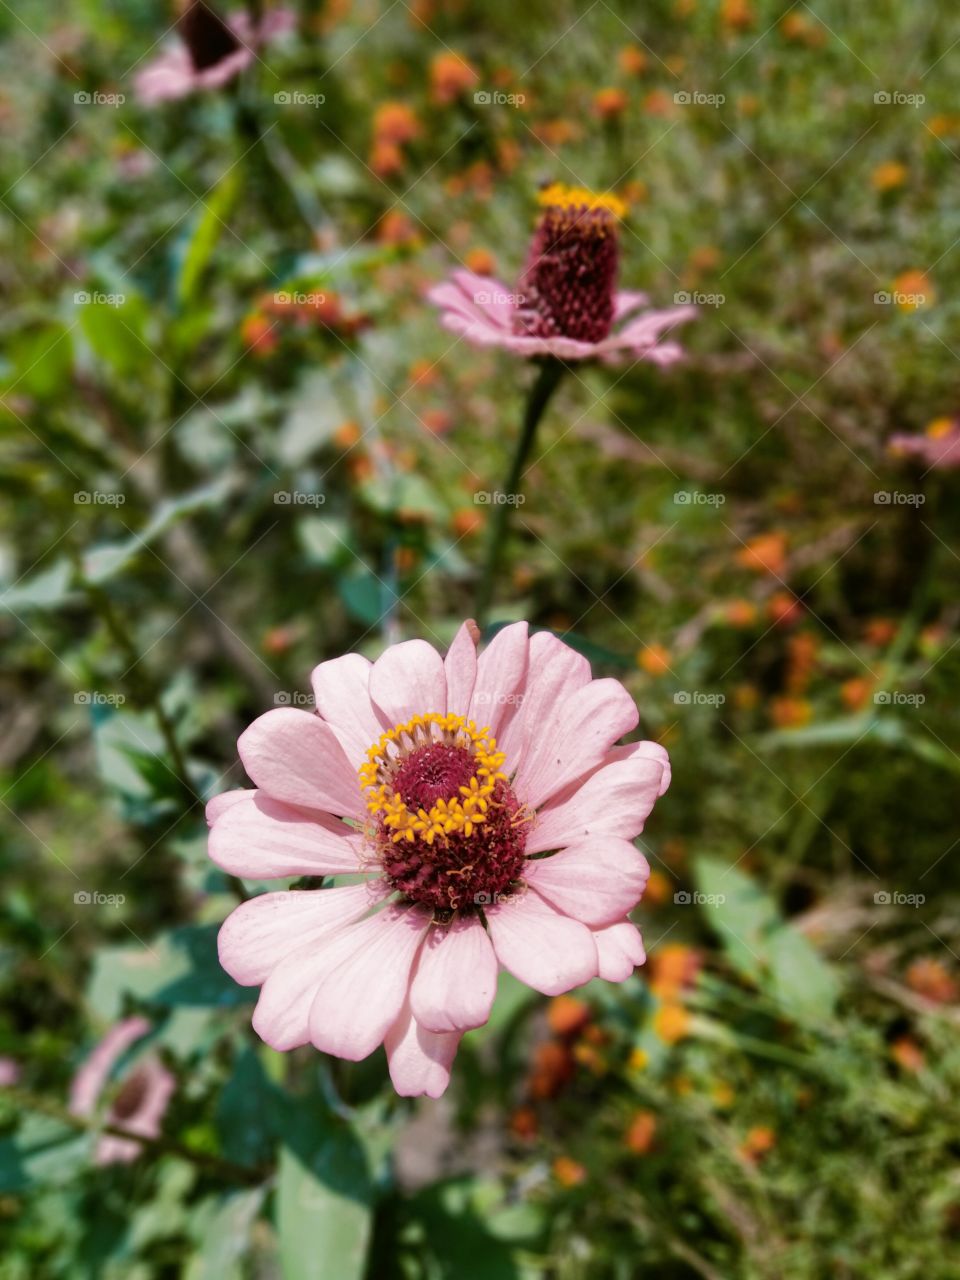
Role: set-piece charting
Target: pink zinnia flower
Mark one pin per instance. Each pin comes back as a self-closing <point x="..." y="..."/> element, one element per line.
<point x="566" y="303"/>
<point x="938" y="446"/>
<point x="210" y="53"/>
<point x="141" y="1101"/>
<point x="505" y="845"/>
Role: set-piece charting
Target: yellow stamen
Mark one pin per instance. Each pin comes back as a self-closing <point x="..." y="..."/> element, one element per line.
<point x="559" y="196"/>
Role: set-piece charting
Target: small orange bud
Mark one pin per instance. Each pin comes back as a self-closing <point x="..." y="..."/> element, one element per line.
<point x="913" y="290"/>
<point x="658" y="890"/>
<point x="740" y="613"/>
<point x="671" y="1023"/>
<point x="467" y="521"/>
<point x="888" y="176"/>
<point x="766" y="553"/>
<point x="907" y="1054"/>
<point x="523" y="1123"/>
<point x="610" y="103"/>
<point x="654" y="659"/>
<point x="784" y="609"/>
<point x="930" y="979"/>
<point x="568" y="1172"/>
<point x="641" y="1132"/>
<point x="855" y="692"/>
<point x="566" y="1015"/>
<point x="759" y="1140"/>
<point x="450" y="76"/>
<point x="395" y="122"/>
<point x="480" y="261"/>
<point x="257" y="334"/>
<point x="790" y="713"/>
<point x="632" y="60"/>
<point x="347" y="435"/>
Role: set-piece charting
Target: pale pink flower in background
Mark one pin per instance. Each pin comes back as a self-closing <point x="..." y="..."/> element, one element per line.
<point x="209" y="52"/>
<point x="139" y="1104"/>
<point x="484" y="812"/>
<point x="938" y="446"/>
<point x="9" y="1072"/>
<point x="566" y="303"/>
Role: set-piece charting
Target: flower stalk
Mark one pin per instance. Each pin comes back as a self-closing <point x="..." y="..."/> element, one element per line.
<point x="548" y="379"/>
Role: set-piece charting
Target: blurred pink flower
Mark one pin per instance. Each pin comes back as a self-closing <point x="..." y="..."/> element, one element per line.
<point x="141" y="1101"/>
<point x="9" y="1072"/>
<point x="210" y="51"/>
<point x="938" y="446"/>
<point x="448" y="824"/>
<point x="566" y="303"/>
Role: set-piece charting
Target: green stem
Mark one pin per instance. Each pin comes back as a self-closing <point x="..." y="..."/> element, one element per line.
<point x="551" y="371"/>
<point x="159" y="1145"/>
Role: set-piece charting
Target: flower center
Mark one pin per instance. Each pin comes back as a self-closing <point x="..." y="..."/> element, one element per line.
<point x="568" y="284"/>
<point x="208" y="38"/>
<point x="131" y="1096"/>
<point x="447" y="827"/>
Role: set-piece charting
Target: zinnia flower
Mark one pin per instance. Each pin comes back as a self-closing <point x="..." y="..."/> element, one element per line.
<point x="475" y="847"/>
<point x="210" y="53"/>
<point x="141" y="1101"/>
<point x="566" y="303"/>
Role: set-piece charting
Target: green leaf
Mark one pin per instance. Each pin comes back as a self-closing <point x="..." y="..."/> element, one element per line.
<point x="46" y="590"/>
<point x="324" y="539"/>
<point x="42" y="1150"/>
<point x="195" y="251"/>
<point x="222" y="1226"/>
<point x="801" y="979"/>
<point x="242" y="1114"/>
<point x="41" y="361"/>
<point x="117" y="334"/>
<point x="459" y="1236"/>
<point x="324" y="1198"/>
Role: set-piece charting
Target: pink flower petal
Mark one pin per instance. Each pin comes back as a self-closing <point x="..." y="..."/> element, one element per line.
<point x="554" y="673"/>
<point x="157" y="1085"/>
<point x="295" y="757"/>
<point x="487" y="293"/>
<point x="260" y="933"/>
<point x="419" y="1060"/>
<point x="456" y="978"/>
<point x="597" y="882"/>
<point x="451" y="299"/>
<point x="263" y="839"/>
<point x="540" y="946"/>
<point x="219" y="805"/>
<point x="460" y="666"/>
<point x="626" y="301"/>
<point x="620" y="949"/>
<point x="408" y="680"/>
<point x="615" y="799"/>
<point x="341" y="694"/>
<point x="366" y="971"/>
<point x="648" y="329"/>
<point x="501" y="676"/>
<point x="95" y="1071"/>
<point x="573" y="738"/>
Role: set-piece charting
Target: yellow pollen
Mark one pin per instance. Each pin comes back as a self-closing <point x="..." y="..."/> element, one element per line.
<point x="560" y="196"/>
<point x="459" y="814"/>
